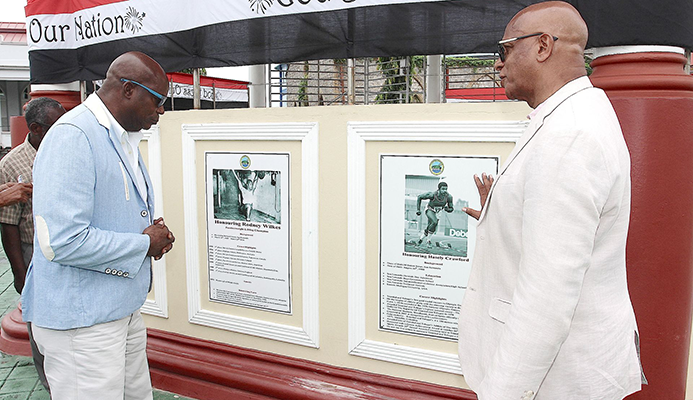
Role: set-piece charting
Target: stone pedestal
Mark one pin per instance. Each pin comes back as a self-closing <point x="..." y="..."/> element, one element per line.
<point x="14" y="337"/>
<point x="67" y="94"/>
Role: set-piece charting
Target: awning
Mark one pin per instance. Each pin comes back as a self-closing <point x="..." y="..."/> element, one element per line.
<point x="77" y="39"/>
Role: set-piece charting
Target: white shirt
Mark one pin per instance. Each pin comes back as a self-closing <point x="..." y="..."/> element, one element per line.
<point x="129" y="141"/>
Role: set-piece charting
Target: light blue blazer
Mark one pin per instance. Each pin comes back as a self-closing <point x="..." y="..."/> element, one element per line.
<point x="90" y="261"/>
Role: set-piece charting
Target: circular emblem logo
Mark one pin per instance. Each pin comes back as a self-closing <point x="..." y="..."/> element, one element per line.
<point x="245" y="162"/>
<point x="436" y="167"/>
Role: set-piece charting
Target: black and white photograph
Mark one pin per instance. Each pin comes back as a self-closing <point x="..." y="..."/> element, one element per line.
<point x="248" y="230"/>
<point x="247" y="195"/>
<point x="426" y="240"/>
<point x="435" y="222"/>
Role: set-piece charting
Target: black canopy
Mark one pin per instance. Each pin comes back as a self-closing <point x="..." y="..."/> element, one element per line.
<point x="406" y="27"/>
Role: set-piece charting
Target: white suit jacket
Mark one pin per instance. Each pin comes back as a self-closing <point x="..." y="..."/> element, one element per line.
<point x="547" y="313"/>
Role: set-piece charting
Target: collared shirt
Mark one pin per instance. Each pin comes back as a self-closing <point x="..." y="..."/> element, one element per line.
<point x="16" y="163"/>
<point x="129" y="141"/>
<point x="536" y="111"/>
<point x="572" y="87"/>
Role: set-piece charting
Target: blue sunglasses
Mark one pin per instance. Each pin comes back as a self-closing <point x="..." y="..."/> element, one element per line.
<point x="162" y="98"/>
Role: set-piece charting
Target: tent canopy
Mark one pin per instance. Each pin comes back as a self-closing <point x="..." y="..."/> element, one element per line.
<point x="77" y="39"/>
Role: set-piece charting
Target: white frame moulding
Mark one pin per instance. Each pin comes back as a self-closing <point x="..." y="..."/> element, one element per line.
<point x="398" y="131"/>
<point x="159" y="306"/>
<point x="307" y="134"/>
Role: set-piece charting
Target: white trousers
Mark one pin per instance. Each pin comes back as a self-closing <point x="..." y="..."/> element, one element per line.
<point x="106" y="361"/>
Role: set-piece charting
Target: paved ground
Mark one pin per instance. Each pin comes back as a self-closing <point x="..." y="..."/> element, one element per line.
<point x="18" y="378"/>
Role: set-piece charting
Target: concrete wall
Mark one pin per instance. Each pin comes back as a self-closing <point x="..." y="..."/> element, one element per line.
<point x="327" y="288"/>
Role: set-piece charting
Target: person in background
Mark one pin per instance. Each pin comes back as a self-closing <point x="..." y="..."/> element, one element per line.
<point x="16" y="220"/>
<point x="95" y="236"/>
<point x="13" y="193"/>
<point x="547" y="314"/>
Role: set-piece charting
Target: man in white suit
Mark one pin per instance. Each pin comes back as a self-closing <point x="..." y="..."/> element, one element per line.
<point x="546" y="313"/>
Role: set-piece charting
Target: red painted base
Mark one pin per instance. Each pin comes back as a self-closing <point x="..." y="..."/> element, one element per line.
<point x="208" y="370"/>
<point x="14" y="338"/>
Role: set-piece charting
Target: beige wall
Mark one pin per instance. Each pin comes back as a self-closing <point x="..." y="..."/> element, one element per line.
<point x="333" y="249"/>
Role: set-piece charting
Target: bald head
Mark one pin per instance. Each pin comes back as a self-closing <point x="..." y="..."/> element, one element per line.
<point x="544" y="49"/>
<point x="557" y="18"/>
<point x="136" y="66"/>
<point x="132" y="105"/>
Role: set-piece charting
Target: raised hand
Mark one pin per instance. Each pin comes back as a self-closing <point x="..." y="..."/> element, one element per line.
<point x="483" y="185"/>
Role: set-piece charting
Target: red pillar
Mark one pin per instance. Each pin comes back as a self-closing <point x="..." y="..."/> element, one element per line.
<point x="653" y="98"/>
<point x="18" y="130"/>
<point x="68" y="98"/>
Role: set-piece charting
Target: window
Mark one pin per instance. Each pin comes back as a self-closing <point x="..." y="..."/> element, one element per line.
<point x="4" y="121"/>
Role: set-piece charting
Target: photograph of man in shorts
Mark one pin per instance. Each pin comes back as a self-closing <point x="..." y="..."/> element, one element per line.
<point x="437" y="201"/>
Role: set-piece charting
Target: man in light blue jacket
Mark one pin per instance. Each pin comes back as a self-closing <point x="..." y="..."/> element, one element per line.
<point x="94" y="236"/>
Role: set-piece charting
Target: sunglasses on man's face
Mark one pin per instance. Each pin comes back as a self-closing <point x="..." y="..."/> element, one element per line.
<point x="161" y="97"/>
<point x="502" y="52"/>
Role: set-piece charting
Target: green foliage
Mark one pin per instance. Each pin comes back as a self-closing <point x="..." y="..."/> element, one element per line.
<point x="417" y="63"/>
<point x="397" y="78"/>
<point x="203" y="71"/>
<point x="303" y="87"/>
<point x="588" y="66"/>
<point x="480" y="63"/>
<point x="468" y="62"/>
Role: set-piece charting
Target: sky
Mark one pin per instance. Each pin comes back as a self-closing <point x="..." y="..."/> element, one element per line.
<point x="13" y="11"/>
